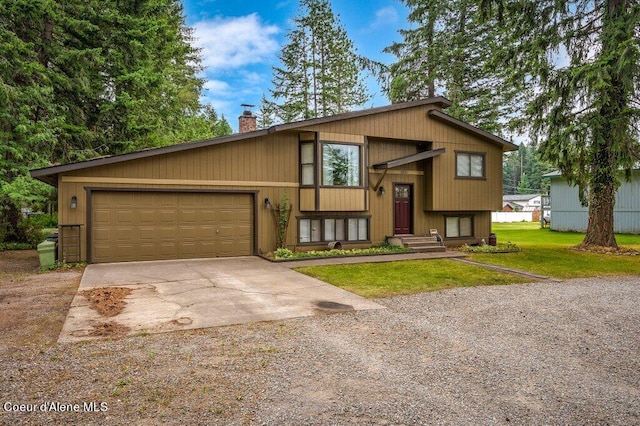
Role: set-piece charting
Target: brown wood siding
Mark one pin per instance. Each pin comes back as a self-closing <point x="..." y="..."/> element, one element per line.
<point x="342" y="199"/>
<point x="271" y="158"/>
<point x="411" y="124"/>
<point x="338" y="137"/>
<point x="269" y="164"/>
<point x="448" y="192"/>
<point x="381" y="150"/>
<point x="307" y="199"/>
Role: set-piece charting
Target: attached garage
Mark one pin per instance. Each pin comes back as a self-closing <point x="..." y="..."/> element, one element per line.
<point x="136" y="225"/>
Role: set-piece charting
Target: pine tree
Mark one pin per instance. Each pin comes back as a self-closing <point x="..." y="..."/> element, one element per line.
<point x="585" y="112"/>
<point x="82" y="78"/>
<point x="319" y="73"/>
<point x="448" y="53"/>
<point x="523" y="171"/>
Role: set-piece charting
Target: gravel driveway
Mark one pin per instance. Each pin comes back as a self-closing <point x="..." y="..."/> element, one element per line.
<point x="545" y="353"/>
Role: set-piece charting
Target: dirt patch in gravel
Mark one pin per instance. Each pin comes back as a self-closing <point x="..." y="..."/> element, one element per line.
<point x="110" y="329"/>
<point x="107" y="301"/>
<point x="33" y="304"/>
<point x="18" y="262"/>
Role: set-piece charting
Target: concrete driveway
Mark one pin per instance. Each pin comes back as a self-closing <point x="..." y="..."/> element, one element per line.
<point x="199" y="293"/>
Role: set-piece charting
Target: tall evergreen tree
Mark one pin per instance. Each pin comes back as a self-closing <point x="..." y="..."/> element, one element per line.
<point x="447" y="52"/>
<point x="81" y="78"/>
<point x="523" y="171"/>
<point x="319" y="73"/>
<point x="585" y="111"/>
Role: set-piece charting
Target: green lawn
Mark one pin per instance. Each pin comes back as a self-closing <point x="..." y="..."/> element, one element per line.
<point x="543" y="252"/>
<point x="548" y="252"/>
<point x="407" y="277"/>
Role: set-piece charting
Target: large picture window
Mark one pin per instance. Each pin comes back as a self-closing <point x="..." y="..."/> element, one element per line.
<point x="469" y="165"/>
<point x="459" y="226"/>
<point x="333" y="229"/>
<point x="340" y="165"/>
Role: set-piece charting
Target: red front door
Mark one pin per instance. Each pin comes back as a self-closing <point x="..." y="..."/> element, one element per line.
<point x="402" y="209"/>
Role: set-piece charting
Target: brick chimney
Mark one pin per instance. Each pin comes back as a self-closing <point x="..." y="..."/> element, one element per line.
<point x="247" y="121"/>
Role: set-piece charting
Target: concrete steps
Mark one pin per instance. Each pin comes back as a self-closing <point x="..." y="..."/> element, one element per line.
<point x="423" y="244"/>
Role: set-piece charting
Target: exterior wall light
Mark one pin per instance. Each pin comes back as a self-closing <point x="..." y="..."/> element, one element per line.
<point x="267" y="203"/>
<point x="381" y="190"/>
<point x="74" y="202"/>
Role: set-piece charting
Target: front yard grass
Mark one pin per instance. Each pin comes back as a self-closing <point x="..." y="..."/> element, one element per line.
<point x="374" y="280"/>
<point x="544" y="252"/>
<point x="549" y="253"/>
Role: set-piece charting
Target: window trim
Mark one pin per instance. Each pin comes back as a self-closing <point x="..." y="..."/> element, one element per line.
<point x="460" y="216"/>
<point x="313" y="164"/>
<point x="361" y="154"/>
<point x="345" y="219"/>
<point x="472" y="153"/>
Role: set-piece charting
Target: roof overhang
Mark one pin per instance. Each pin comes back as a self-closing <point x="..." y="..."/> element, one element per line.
<point x="50" y="174"/>
<point x="441" y="116"/>
<point x="390" y="164"/>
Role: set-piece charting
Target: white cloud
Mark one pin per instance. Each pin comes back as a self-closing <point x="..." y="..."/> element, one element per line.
<point x="384" y="17"/>
<point x="217" y="87"/>
<point x="233" y="42"/>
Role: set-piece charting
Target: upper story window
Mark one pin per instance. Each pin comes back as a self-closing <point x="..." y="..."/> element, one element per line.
<point x="307" y="164"/>
<point x="470" y="165"/>
<point x="341" y="165"/>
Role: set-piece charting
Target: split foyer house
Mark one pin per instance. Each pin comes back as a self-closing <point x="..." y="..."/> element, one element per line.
<point x="357" y="178"/>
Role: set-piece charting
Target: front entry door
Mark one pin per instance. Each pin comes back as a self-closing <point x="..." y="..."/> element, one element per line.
<point x="402" y="209"/>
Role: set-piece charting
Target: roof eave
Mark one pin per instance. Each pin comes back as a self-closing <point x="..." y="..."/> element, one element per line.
<point x="408" y="159"/>
<point x="439" y="115"/>
<point x="41" y="174"/>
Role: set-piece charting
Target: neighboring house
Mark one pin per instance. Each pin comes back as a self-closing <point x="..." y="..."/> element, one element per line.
<point x="356" y="177"/>
<point x="567" y="214"/>
<point x="521" y="202"/>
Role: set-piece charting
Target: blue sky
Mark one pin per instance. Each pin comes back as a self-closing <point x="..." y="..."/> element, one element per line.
<point x="240" y="41"/>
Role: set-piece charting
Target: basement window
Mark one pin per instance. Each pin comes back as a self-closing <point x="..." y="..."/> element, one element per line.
<point x="329" y="229"/>
<point x="458" y="226"/>
<point x="309" y="230"/>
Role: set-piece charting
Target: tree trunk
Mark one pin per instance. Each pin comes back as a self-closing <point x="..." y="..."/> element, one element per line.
<point x="600" y="225"/>
<point x="604" y="169"/>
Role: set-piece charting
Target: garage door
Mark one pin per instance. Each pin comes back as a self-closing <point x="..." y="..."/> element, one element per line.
<point x="134" y="226"/>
